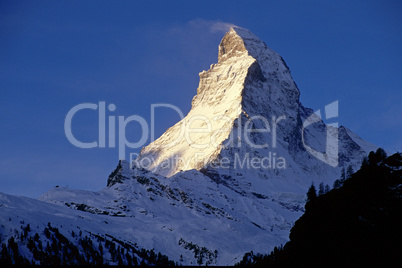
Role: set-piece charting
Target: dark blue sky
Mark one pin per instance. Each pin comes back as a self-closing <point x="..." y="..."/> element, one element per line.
<point x="57" y="54"/>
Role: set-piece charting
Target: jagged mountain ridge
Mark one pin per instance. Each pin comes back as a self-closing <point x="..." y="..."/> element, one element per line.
<point x="249" y="84"/>
<point x="229" y="210"/>
<point x="245" y="82"/>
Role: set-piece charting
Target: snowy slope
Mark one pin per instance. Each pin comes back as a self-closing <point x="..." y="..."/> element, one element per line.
<point x="189" y="206"/>
<point x="250" y="88"/>
<point x="249" y="79"/>
<point x="207" y="185"/>
<point x="16" y="213"/>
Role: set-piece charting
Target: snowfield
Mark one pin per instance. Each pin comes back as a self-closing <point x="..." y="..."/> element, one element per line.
<point x="228" y="194"/>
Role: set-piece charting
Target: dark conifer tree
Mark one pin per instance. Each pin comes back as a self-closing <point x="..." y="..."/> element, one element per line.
<point x="372" y="158"/>
<point x="337" y="184"/>
<point x="381" y="154"/>
<point x="311" y="193"/>
<point x="321" y="189"/>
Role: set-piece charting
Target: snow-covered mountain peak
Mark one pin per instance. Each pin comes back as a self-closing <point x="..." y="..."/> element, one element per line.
<point x="249" y="80"/>
<point x="229" y="178"/>
<point x="121" y="173"/>
<point x="238" y="41"/>
<point x="232" y="45"/>
<point x="267" y="88"/>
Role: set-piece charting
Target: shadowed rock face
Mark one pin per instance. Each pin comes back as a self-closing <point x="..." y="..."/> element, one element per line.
<point x="249" y="81"/>
<point x="234" y="209"/>
<point x="249" y="78"/>
<point x="231" y="45"/>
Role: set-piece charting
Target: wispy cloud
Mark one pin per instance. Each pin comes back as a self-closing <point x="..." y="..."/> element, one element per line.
<point x="194" y="43"/>
<point x="212" y="25"/>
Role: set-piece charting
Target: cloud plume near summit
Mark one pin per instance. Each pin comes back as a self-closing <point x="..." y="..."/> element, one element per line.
<point x="213" y="26"/>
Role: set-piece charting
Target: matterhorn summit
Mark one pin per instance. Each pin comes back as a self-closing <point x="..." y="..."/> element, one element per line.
<point x="229" y="178"/>
<point x="246" y="111"/>
<point x="250" y="81"/>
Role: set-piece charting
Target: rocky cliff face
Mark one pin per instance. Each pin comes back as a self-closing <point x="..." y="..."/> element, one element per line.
<point x="247" y="109"/>
<point x="229" y="178"/>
